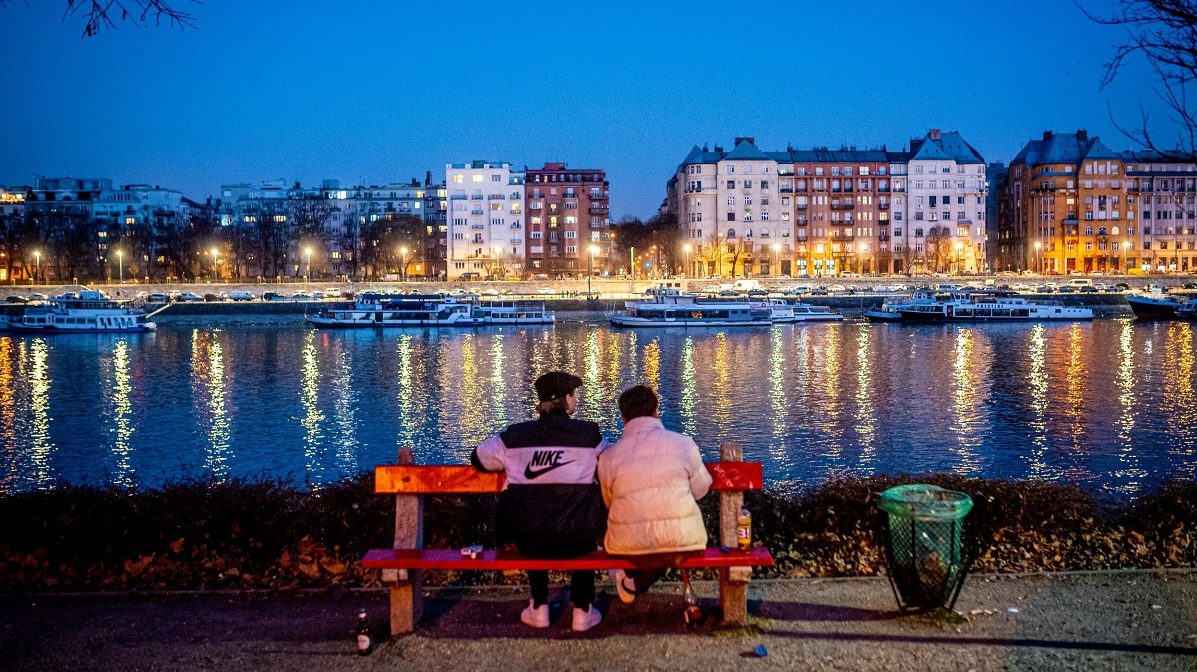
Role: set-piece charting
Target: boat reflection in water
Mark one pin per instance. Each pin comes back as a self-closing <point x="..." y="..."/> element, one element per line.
<point x="1109" y="404"/>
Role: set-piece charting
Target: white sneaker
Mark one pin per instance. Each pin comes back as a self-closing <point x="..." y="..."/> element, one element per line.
<point x="537" y="617"/>
<point x="627" y="594"/>
<point x="585" y="620"/>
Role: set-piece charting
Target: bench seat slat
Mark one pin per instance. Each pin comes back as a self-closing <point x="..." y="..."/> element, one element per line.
<point x="464" y="479"/>
<point x="442" y="558"/>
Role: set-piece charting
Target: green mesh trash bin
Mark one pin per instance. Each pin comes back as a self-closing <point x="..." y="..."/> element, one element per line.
<point x="923" y="546"/>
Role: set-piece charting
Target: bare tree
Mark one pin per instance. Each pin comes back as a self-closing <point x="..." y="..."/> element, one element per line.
<point x="104" y="14"/>
<point x="1164" y="32"/>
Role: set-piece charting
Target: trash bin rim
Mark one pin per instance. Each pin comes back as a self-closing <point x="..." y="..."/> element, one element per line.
<point x="927" y="503"/>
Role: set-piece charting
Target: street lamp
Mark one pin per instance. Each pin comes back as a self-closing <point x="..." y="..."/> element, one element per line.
<point x="308" y="276"/>
<point x="590" y="268"/>
<point x="1126" y="262"/>
<point x="1038" y="246"/>
<point x="632" y="261"/>
<point x="959" y="258"/>
<point x="686" y="248"/>
<point x="403" y="264"/>
<point x="215" y="266"/>
<point x="120" y="261"/>
<point x="776" y="258"/>
<point x="37" y="265"/>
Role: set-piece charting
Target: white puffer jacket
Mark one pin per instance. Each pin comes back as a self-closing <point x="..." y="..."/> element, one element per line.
<point x="651" y="481"/>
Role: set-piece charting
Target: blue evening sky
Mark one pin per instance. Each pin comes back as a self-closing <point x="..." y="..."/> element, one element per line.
<point x="374" y="91"/>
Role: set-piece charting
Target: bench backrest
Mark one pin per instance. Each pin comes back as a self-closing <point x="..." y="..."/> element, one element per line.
<point x="463" y="479"/>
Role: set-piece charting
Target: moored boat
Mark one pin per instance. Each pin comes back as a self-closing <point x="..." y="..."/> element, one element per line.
<point x="85" y="311"/>
<point x="785" y="312"/>
<point x="991" y="308"/>
<point x="672" y="308"/>
<point x="1154" y="304"/>
<point x="888" y="310"/>
<point x="385" y="310"/>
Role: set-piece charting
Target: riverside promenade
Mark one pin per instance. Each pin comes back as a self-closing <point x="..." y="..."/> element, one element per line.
<point x="1133" y="620"/>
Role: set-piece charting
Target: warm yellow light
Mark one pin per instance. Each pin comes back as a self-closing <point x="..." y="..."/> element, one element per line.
<point x="687" y="248"/>
<point x="1038" y="245"/>
<point x="213" y="251"/>
<point x="307" y="251"/>
<point x="594" y="249"/>
<point x="403" y="250"/>
<point x="119" y="253"/>
<point x="776" y="247"/>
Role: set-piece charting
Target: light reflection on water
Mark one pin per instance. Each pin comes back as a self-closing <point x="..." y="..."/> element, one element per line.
<point x="1109" y="404"/>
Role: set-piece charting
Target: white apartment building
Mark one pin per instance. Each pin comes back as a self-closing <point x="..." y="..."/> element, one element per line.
<point x="946" y="204"/>
<point x="729" y="209"/>
<point x="485" y="220"/>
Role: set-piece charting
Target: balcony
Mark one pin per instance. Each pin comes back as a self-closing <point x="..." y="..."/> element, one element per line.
<point x="787" y="190"/>
<point x="843" y="235"/>
<point x="457" y="197"/>
<point x="496" y="197"/>
<point x="598" y="209"/>
<point x="476" y="197"/>
<point x="843" y="206"/>
<point x="801" y="206"/>
<point x="883" y="236"/>
<point x="478" y="227"/>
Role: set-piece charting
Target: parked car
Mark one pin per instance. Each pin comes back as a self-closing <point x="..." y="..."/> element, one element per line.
<point x="241" y="295"/>
<point x="211" y="298"/>
<point x="157" y="297"/>
<point x="37" y="296"/>
<point x="273" y="296"/>
<point x="192" y="297"/>
<point x="17" y="299"/>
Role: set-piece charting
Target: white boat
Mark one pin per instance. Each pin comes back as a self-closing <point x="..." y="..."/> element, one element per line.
<point x="672" y="308"/>
<point x="85" y="311"/>
<point x="991" y="308"/>
<point x="385" y="310"/>
<point x="784" y="312"/>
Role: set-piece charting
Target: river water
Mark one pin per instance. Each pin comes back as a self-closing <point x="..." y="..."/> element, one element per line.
<point x="1108" y="404"/>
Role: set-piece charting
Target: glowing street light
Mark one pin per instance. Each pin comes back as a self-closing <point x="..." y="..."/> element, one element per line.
<point x="959" y="257"/>
<point x="1038" y="246"/>
<point x="37" y="265"/>
<point x="308" y="277"/>
<point x="590" y="268"/>
<point x="686" y="248"/>
<point x="215" y="266"/>
<point x="632" y="261"/>
<point x="120" y="262"/>
<point x="776" y="258"/>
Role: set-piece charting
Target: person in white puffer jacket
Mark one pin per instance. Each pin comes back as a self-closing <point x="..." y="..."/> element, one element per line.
<point x="651" y="482"/>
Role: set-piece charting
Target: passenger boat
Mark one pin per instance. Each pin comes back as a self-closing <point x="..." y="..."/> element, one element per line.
<point x="386" y="310"/>
<point x="888" y="310"/>
<point x="672" y="308"/>
<point x="1154" y="304"/>
<point x="86" y="311"/>
<point x="785" y="312"/>
<point x="991" y="308"/>
<point x="15" y="312"/>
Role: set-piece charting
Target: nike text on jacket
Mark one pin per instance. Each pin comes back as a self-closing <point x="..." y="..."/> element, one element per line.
<point x="551" y="496"/>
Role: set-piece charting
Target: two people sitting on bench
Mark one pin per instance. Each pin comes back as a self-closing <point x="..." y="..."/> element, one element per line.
<point x="553" y="507"/>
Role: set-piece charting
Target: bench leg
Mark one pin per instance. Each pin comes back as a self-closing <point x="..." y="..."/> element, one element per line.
<point x="733" y="594"/>
<point x="733" y="581"/>
<point x="407" y="603"/>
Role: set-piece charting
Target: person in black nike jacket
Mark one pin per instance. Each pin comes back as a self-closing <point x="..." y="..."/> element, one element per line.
<point x="551" y="506"/>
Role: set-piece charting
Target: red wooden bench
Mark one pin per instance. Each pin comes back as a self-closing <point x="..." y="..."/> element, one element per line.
<point x="403" y="565"/>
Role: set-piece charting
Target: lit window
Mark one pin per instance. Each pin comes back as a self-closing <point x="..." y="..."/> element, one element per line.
<point x="476" y="178"/>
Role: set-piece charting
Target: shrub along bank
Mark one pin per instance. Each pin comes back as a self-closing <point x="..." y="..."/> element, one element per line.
<point x="252" y="534"/>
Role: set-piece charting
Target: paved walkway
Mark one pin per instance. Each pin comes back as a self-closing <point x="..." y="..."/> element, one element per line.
<point x="1114" y="621"/>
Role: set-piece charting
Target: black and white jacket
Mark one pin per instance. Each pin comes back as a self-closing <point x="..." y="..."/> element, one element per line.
<point x="552" y="497"/>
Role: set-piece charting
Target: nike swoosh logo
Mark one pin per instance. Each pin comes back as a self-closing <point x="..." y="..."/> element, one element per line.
<point x="529" y="474"/>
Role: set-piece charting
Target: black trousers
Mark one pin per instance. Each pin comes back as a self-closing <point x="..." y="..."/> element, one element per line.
<point x="581" y="585"/>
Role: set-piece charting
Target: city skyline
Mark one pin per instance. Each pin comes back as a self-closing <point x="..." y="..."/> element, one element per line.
<point x="372" y="104"/>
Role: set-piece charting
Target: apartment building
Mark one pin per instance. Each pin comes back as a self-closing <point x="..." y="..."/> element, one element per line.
<point x="568" y="221"/>
<point x="827" y="212"/>
<point x="728" y="205"/>
<point x="1165" y="191"/>
<point x="1066" y="205"/>
<point x="486" y="220"/>
<point x="945" y="230"/>
<point x="840" y="202"/>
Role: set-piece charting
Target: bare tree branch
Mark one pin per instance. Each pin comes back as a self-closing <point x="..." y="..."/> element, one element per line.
<point x="1164" y="32"/>
<point x="105" y="14"/>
